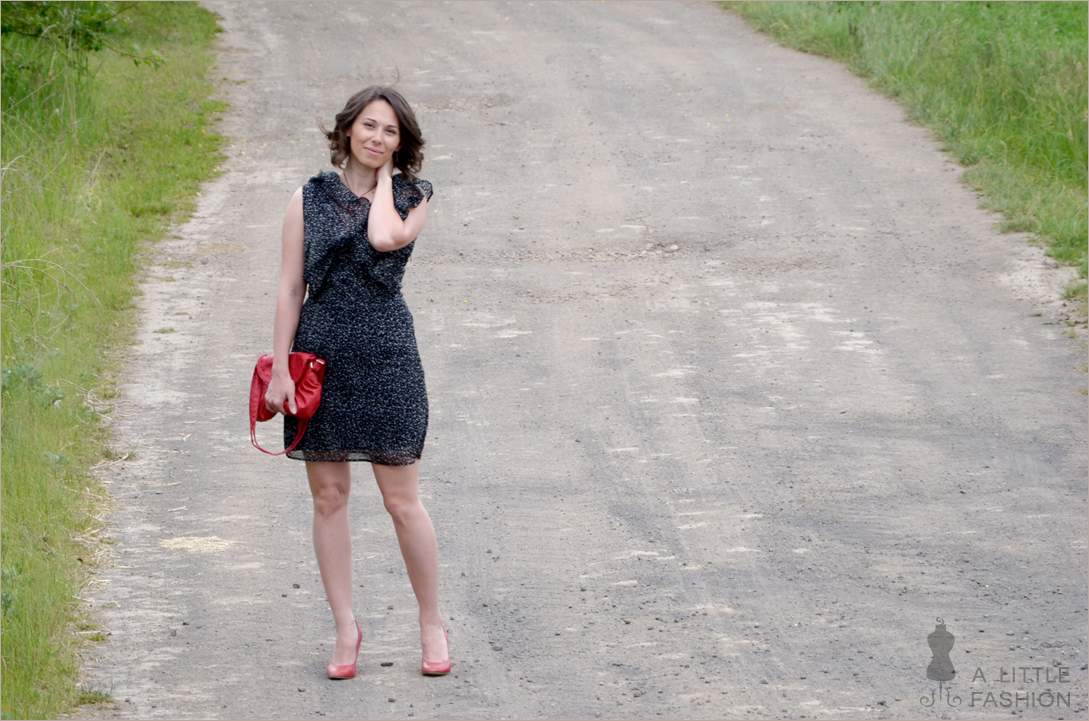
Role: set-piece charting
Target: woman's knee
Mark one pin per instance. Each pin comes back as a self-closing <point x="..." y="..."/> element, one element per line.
<point x="400" y="491"/>
<point x="329" y="487"/>
<point x="329" y="499"/>
<point x="403" y="509"/>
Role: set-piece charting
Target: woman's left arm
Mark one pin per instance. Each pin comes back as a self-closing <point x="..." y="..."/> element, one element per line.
<point x="385" y="229"/>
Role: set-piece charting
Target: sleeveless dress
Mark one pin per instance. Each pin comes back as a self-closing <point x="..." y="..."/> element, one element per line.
<point x="373" y="401"/>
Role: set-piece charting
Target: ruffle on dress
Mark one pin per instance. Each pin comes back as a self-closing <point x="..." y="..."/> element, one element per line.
<point x="336" y="231"/>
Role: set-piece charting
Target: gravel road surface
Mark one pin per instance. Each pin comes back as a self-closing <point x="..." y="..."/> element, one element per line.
<point x="734" y="391"/>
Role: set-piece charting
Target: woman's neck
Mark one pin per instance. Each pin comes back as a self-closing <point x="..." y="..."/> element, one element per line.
<point x="359" y="179"/>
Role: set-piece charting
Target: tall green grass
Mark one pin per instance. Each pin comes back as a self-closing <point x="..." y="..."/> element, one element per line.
<point x="97" y="163"/>
<point x="1002" y="84"/>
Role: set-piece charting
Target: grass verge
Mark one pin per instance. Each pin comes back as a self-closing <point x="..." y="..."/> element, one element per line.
<point x="96" y="166"/>
<point x="1002" y="85"/>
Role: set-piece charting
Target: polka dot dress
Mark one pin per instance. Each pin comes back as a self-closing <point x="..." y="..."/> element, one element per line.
<point x="373" y="401"/>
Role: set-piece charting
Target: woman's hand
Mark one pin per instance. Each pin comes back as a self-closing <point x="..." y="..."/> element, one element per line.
<point x="386" y="230"/>
<point x="386" y="171"/>
<point x="280" y="396"/>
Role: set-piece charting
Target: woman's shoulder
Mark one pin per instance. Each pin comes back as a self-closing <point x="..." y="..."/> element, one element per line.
<point x="321" y="178"/>
<point x="417" y="189"/>
<point x="325" y="187"/>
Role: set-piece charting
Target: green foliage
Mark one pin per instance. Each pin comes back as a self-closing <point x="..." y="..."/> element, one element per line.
<point x="91" y="174"/>
<point x="94" y="697"/>
<point x="70" y="31"/>
<point x="1002" y="84"/>
<point x="71" y="26"/>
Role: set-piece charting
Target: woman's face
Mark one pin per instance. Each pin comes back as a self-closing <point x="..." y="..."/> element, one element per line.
<point x="375" y="134"/>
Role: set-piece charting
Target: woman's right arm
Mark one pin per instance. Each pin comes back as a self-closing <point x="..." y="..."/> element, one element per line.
<point x="289" y="301"/>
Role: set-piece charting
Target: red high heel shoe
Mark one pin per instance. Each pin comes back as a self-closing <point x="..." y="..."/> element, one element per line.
<point x="438" y="668"/>
<point x="347" y="670"/>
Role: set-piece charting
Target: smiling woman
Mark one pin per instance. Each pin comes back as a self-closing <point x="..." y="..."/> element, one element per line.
<point x="408" y="158"/>
<point x="346" y="241"/>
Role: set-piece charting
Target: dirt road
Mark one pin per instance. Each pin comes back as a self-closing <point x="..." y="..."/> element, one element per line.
<point x="734" y="391"/>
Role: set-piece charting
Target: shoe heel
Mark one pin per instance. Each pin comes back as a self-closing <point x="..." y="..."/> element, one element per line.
<point x="438" y="668"/>
<point x="347" y="670"/>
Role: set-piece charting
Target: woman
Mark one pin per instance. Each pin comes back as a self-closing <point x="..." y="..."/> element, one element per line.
<point x="346" y="239"/>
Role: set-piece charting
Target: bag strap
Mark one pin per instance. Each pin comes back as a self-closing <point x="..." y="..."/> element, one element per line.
<point x="298" y="437"/>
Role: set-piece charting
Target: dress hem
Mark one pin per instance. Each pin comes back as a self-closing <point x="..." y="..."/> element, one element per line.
<point x="354" y="457"/>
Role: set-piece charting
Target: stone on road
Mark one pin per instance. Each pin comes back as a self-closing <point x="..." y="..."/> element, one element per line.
<point x="734" y="391"/>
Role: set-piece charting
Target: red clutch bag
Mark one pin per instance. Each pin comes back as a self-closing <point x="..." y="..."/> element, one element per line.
<point x="308" y="371"/>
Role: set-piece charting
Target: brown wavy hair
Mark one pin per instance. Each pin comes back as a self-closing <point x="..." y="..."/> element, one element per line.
<point x="408" y="159"/>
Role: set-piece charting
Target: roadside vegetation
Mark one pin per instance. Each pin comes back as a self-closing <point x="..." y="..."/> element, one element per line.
<point x="1001" y="84"/>
<point x="106" y="112"/>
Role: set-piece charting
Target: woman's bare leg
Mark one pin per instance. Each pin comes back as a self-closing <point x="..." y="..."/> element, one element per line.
<point x="330" y="484"/>
<point x="416" y="536"/>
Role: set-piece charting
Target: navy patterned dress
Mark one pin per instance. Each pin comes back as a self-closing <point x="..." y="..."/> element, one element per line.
<point x="373" y="401"/>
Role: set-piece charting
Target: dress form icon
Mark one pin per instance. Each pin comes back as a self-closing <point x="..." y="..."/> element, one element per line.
<point x="941" y="643"/>
<point x="940" y="668"/>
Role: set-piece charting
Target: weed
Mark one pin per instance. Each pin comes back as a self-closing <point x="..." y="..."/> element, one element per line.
<point x="19" y="376"/>
<point x="93" y="697"/>
<point x="57" y="458"/>
<point x="111" y="455"/>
